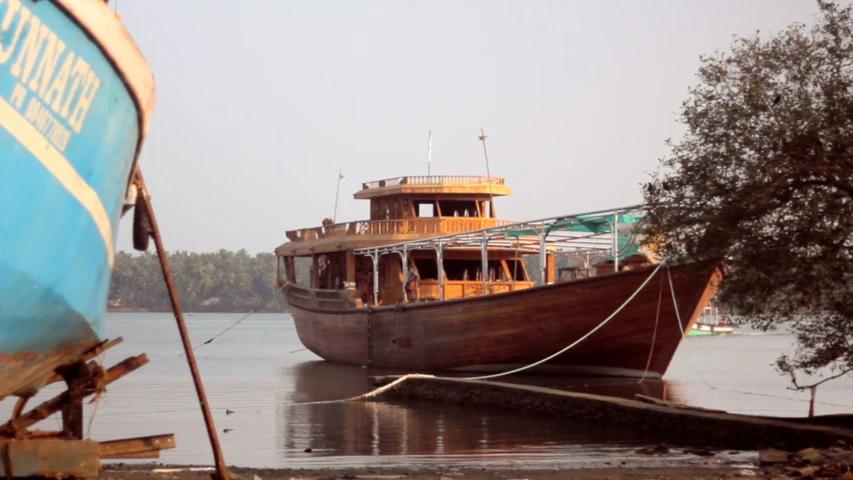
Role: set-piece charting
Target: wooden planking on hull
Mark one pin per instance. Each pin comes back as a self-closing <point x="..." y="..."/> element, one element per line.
<point x="518" y="328"/>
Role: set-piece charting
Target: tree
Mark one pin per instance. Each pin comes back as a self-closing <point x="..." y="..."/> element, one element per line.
<point x="762" y="184"/>
<point x="241" y="281"/>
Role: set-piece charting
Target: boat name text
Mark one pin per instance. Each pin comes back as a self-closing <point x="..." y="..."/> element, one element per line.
<point x="52" y="81"/>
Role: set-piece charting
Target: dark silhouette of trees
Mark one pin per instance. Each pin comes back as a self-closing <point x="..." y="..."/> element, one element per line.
<point x="216" y="281"/>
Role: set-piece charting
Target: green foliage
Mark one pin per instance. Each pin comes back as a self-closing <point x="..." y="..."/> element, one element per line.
<point x="240" y="281"/>
<point x="762" y="183"/>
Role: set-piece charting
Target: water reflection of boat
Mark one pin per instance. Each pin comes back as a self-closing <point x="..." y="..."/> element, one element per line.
<point x="379" y="428"/>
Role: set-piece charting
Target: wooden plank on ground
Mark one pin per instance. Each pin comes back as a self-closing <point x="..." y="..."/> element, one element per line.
<point x="684" y="426"/>
<point x="50" y="458"/>
<point x="664" y="403"/>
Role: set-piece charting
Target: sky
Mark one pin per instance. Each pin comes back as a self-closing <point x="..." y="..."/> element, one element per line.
<point x="260" y="102"/>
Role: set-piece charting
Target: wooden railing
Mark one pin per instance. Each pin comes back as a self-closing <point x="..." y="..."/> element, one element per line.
<point x="416" y="226"/>
<point x="339" y="299"/>
<point x="310" y="297"/>
<point x="431" y="180"/>
<point x="467" y="288"/>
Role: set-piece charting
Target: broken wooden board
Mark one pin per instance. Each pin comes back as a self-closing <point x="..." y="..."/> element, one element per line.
<point x="50" y="458"/>
<point x="664" y="403"/>
<point x="139" y="447"/>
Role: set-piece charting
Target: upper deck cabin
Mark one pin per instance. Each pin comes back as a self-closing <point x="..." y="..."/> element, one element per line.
<point x="406" y="208"/>
<point x="438" y="238"/>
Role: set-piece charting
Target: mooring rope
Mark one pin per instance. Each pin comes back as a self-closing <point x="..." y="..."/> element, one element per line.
<point x="210" y="340"/>
<point x="576" y="342"/>
<point x="655" y="333"/>
<point x="403" y="378"/>
<point x="363" y="396"/>
<point x="681" y="327"/>
<point x="373" y="393"/>
<point x="712" y="387"/>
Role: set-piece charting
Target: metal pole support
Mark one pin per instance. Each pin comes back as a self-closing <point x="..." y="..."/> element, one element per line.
<point x="222" y="472"/>
<point x="439" y="261"/>
<point x="484" y="263"/>
<point x="375" y="257"/>
<point x="404" y="257"/>
<point x="543" y="260"/>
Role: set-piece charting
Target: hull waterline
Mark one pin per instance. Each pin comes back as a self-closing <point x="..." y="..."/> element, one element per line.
<point x="500" y="332"/>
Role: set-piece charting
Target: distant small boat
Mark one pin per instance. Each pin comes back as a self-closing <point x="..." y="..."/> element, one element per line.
<point x="711" y="323"/>
<point x="76" y="96"/>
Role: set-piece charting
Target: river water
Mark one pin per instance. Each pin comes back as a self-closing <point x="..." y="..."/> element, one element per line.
<point x="259" y="370"/>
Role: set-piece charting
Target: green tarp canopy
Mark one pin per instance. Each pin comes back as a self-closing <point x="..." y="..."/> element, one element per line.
<point x="583" y="223"/>
<point x="595" y="225"/>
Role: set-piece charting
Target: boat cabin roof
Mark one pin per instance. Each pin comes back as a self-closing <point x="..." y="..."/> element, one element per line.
<point x="470" y="186"/>
<point x="406" y="208"/>
<point x="576" y="233"/>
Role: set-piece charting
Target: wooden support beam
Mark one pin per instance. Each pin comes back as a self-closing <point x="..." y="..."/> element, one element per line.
<point x="550" y="268"/>
<point x="58" y="402"/>
<point x="76" y="376"/>
<point x="139" y="447"/>
<point x="350" y="266"/>
<point x="101" y="348"/>
<point x="315" y="272"/>
<point x="89" y="355"/>
<point x="72" y="418"/>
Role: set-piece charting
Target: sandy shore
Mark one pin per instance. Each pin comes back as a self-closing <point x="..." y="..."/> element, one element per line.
<point x="165" y="472"/>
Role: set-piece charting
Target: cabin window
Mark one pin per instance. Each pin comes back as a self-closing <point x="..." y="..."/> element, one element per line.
<point x="425" y="209"/>
<point x="302" y="270"/>
<point x="427" y="268"/>
<point x="470" y="270"/>
<point x="458" y="208"/>
<point x="516" y="268"/>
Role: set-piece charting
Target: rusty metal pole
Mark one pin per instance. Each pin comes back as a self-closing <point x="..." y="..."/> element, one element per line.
<point x="222" y="472"/>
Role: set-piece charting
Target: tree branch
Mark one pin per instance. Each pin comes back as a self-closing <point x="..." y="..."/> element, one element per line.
<point x="806" y="387"/>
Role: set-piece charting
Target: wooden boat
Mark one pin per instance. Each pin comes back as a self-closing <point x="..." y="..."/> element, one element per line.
<point x="76" y="96"/>
<point x="370" y="292"/>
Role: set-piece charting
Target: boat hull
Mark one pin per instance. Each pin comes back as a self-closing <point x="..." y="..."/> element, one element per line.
<point x="74" y="94"/>
<point x="502" y="331"/>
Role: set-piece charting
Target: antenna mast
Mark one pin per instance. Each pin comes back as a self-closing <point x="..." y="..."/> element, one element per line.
<point x="429" y="154"/>
<point x="337" y="191"/>
<point x="482" y="138"/>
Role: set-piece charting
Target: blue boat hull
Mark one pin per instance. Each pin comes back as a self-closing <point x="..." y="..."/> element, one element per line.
<point x="69" y="136"/>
